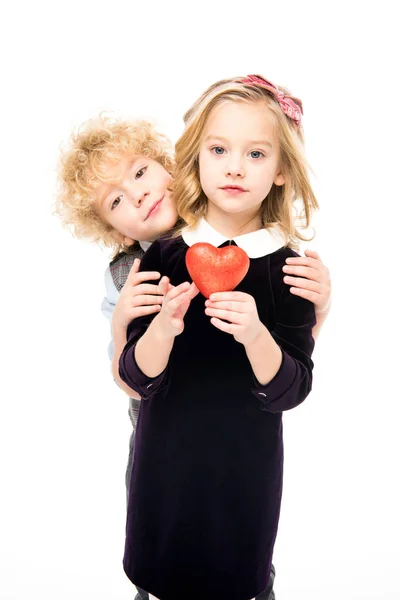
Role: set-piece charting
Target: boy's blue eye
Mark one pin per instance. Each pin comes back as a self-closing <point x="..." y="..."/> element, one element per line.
<point x="218" y="150"/>
<point x="256" y="154"/>
<point x="140" y="173"/>
<point x="116" y="202"/>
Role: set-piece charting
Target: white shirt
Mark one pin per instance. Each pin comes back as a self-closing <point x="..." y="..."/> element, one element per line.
<point x="255" y="244"/>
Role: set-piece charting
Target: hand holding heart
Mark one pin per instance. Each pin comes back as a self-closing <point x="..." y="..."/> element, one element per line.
<point x="216" y="272"/>
<point x="240" y="310"/>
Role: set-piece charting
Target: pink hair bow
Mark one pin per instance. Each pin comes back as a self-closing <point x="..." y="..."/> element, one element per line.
<point x="291" y="106"/>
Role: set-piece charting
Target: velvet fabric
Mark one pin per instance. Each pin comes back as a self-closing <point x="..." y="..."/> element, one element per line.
<point x="206" y="483"/>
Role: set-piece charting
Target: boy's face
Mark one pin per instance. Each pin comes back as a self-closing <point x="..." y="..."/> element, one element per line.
<point x="138" y="204"/>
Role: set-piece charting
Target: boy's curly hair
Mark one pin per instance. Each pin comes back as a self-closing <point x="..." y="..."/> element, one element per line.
<point x="85" y="164"/>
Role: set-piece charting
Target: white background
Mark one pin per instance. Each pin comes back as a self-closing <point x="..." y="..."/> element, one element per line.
<point x="64" y="427"/>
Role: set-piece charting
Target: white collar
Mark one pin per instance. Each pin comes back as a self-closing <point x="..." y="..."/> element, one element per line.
<point x="256" y="244"/>
<point x="145" y="245"/>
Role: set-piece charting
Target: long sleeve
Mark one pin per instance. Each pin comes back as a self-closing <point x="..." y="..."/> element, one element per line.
<point x="108" y="304"/>
<point x="293" y="333"/>
<point x="129" y="370"/>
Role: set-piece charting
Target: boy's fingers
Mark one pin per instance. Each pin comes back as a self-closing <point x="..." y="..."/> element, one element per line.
<point x="146" y="288"/>
<point x="312" y="253"/>
<point x="306" y="272"/>
<point x="142" y="276"/>
<point x="299" y="282"/>
<point x="313" y="297"/>
<point x="141" y="311"/>
<point x="147" y="299"/>
<point x="134" y="269"/>
<point x="305" y="261"/>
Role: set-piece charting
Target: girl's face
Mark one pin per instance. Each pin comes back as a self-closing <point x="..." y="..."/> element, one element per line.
<point x="138" y="205"/>
<point x="238" y="161"/>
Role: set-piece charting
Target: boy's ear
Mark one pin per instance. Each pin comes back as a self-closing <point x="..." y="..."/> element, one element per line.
<point x="279" y="178"/>
<point x="122" y="239"/>
<point x="128" y="241"/>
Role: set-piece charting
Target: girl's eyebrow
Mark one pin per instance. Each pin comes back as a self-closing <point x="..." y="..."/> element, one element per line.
<point x="261" y="143"/>
<point x="223" y="139"/>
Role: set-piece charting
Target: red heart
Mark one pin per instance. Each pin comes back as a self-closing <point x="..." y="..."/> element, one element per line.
<point x="216" y="269"/>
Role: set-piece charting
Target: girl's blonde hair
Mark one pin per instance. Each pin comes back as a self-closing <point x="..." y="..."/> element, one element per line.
<point x="84" y="165"/>
<point x="278" y="206"/>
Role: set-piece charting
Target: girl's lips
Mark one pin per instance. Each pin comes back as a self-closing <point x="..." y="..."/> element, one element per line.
<point x="233" y="189"/>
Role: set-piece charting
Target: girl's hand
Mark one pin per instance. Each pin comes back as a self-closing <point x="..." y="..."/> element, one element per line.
<point x="312" y="280"/>
<point x="240" y="310"/>
<point x="137" y="298"/>
<point x="175" y="305"/>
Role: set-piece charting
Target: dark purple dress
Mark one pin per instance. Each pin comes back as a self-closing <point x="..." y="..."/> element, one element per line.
<point x="206" y="484"/>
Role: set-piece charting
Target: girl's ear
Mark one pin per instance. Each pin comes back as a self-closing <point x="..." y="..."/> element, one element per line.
<point x="279" y="178"/>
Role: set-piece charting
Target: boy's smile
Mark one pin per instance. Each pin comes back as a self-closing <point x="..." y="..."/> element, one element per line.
<point x="154" y="208"/>
<point x="136" y="202"/>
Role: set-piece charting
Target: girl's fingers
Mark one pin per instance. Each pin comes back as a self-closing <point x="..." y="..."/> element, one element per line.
<point x="177" y="323"/>
<point x="229" y="297"/>
<point x="193" y="291"/>
<point x="164" y="286"/>
<point x="226" y="315"/>
<point x="239" y="307"/>
<point x="223" y="326"/>
<point x="307" y="284"/>
<point x="176" y="291"/>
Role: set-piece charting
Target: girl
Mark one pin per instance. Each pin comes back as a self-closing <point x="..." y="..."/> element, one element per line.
<point x="215" y="375"/>
<point x="110" y="174"/>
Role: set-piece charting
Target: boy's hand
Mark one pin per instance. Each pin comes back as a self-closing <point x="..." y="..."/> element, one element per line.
<point x="137" y="298"/>
<point x="174" y="306"/>
<point x="240" y="310"/>
<point x="312" y="280"/>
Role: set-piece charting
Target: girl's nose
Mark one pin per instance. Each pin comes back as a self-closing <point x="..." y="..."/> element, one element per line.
<point x="234" y="167"/>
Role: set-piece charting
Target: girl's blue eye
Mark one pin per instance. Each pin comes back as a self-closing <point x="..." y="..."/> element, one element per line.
<point x="116" y="202"/>
<point x="140" y="173"/>
<point x="218" y="150"/>
<point x="256" y="154"/>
